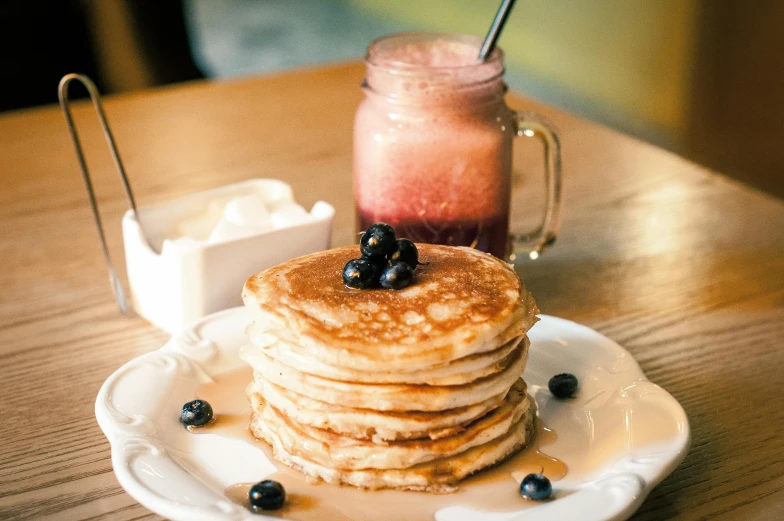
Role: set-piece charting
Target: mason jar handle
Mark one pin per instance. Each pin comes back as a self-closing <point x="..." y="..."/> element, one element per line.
<point x="531" y="124"/>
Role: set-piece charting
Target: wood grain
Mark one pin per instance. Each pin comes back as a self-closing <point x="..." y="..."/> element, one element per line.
<point x="678" y="264"/>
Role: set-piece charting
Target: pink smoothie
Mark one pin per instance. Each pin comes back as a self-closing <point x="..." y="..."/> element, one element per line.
<point x="433" y="141"/>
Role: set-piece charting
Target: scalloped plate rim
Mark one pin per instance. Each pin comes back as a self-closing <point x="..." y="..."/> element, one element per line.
<point x="225" y="511"/>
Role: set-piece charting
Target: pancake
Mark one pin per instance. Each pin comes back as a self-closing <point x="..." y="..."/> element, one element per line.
<point x="462" y="301"/>
<point x="395" y="397"/>
<point x="460" y="371"/>
<point x="412" y="389"/>
<point x="438" y="476"/>
<point x="345" y="453"/>
<point x="367" y="424"/>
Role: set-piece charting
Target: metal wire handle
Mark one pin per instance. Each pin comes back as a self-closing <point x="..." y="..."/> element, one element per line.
<point x="62" y="92"/>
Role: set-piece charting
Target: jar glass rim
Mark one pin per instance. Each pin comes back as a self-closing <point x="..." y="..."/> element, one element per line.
<point x="373" y="57"/>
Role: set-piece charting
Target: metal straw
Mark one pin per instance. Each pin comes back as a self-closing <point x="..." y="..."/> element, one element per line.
<point x="495" y="29"/>
<point x="62" y="93"/>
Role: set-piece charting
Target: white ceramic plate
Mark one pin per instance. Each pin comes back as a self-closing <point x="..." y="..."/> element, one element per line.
<point x="620" y="436"/>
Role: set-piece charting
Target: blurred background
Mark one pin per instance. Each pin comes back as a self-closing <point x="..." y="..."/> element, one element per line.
<point x="703" y="78"/>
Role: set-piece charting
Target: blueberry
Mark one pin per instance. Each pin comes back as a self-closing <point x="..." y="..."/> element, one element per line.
<point x="359" y="274"/>
<point x="378" y="264"/>
<point x="536" y="487"/>
<point x="563" y="385"/>
<point x="196" y="413"/>
<point x="378" y="241"/>
<point x="397" y="275"/>
<point x="405" y="251"/>
<point x="267" y="495"/>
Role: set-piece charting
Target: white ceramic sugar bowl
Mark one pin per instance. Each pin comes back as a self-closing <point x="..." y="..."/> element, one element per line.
<point x="201" y="248"/>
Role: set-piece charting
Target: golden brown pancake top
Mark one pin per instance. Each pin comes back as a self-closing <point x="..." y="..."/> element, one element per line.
<point x="458" y="292"/>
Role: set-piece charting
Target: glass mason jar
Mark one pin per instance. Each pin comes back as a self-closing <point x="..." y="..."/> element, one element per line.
<point x="433" y="146"/>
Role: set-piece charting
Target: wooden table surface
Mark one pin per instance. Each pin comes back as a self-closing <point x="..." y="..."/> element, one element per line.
<point x="678" y="264"/>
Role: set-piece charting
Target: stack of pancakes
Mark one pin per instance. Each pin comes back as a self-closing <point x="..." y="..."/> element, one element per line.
<point x="411" y="389"/>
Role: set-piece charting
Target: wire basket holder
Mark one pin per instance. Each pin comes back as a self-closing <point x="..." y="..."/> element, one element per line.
<point x="95" y="97"/>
